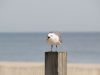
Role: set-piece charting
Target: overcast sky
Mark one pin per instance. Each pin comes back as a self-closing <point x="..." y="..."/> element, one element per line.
<point x="49" y="15"/>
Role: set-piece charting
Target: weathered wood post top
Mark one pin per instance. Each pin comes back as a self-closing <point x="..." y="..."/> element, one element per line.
<point x="55" y="63"/>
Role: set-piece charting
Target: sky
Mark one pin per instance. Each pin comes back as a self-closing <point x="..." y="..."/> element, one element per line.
<point x="49" y="15"/>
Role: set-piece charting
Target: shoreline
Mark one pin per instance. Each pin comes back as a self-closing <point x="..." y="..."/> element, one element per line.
<point x="36" y="64"/>
<point x="42" y="63"/>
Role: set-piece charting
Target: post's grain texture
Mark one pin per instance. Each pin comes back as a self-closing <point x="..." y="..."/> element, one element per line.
<point x="55" y="63"/>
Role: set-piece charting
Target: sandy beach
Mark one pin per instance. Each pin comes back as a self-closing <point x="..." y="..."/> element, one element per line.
<point x="34" y="68"/>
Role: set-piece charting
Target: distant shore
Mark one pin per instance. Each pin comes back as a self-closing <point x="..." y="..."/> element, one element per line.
<point x="35" y="68"/>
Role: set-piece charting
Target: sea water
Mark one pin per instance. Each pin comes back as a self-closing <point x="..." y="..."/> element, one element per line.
<point x="80" y="47"/>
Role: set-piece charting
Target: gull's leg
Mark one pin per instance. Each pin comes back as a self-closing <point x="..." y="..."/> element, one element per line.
<point x="56" y="47"/>
<point x="51" y="47"/>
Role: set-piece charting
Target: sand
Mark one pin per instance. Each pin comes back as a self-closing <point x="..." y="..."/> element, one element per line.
<point x="34" y="68"/>
<point x="83" y="69"/>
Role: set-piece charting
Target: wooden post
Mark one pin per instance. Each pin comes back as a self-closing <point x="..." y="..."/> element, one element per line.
<point x="55" y="63"/>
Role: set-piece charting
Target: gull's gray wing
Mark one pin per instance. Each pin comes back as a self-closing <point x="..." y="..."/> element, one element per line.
<point x="59" y="35"/>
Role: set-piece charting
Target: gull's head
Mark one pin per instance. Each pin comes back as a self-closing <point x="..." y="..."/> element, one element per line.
<point x="51" y="35"/>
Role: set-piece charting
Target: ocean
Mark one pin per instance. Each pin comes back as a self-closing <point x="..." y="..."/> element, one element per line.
<point x="80" y="47"/>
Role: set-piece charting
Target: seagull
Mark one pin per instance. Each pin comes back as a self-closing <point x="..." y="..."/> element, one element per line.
<point x="53" y="39"/>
